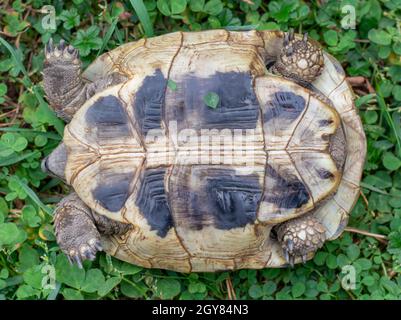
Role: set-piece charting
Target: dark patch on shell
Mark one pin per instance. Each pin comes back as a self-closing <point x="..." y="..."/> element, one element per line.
<point x="237" y="107"/>
<point x="113" y="190"/>
<point x="107" y="114"/>
<point x="287" y="193"/>
<point x="325" y="122"/>
<point x="284" y="105"/>
<point x="153" y="203"/>
<point x="221" y="199"/>
<point x="235" y="200"/>
<point x="324" y="174"/>
<point x="149" y="102"/>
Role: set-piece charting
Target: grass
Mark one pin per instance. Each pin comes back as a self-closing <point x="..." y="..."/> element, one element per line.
<point x="29" y="255"/>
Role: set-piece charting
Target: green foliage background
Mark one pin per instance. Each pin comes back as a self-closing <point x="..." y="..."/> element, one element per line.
<point x="29" y="131"/>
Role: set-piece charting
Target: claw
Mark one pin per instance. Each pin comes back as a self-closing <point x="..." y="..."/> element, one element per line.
<point x="70" y="49"/>
<point x="291" y="34"/>
<point x="98" y="246"/>
<point x="290" y="245"/>
<point x="305" y="37"/>
<point x="77" y="259"/>
<point x="49" y="46"/>
<point x="69" y="260"/>
<point x="304" y="258"/>
<point x="286" y="39"/>
<point x="88" y="254"/>
<point x="61" y="45"/>
<point x="291" y="261"/>
<point x="286" y="255"/>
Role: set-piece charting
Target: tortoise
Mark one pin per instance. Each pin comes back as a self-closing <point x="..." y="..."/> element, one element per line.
<point x="204" y="151"/>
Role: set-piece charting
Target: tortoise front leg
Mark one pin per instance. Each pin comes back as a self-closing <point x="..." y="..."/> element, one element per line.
<point x="301" y="236"/>
<point x="65" y="89"/>
<point x="78" y="230"/>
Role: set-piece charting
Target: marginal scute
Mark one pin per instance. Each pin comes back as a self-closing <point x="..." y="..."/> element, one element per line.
<point x="334" y="212"/>
<point x="153" y="202"/>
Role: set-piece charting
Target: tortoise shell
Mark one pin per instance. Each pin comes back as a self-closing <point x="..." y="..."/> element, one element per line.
<point x="142" y="151"/>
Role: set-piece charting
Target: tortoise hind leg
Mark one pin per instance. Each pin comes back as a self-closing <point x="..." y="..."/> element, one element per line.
<point x="78" y="230"/>
<point x="299" y="60"/>
<point x="300" y="237"/>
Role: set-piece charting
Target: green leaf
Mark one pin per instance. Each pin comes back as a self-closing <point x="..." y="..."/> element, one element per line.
<point x="143" y="16"/>
<point x="172" y="85"/>
<point x="368" y="281"/>
<point x="33" y="277"/>
<point x="211" y="99"/>
<point x="130" y="290"/>
<point x="87" y="40"/>
<point x="3" y="89"/>
<point x="171" y="7"/>
<point x="28" y="257"/>
<point x="108" y="285"/>
<point x="8" y="233"/>
<point x="25" y="291"/>
<point x="380" y="37"/>
<point x="391" y="162"/>
<point x="71" y="18"/>
<point x="3" y="210"/>
<point x="370" y="116"/>
<point x="269" y="288"/>
<point x="4" y="273"/>
<point x="363" y="263"/>
<point x="320" y="258"/>
<point x="365" y="99"/>
<point x="330" y="37"/>
<point x="178" y="6"/>
<point x="298" y="289"/>
<point x="397" y="92"/>
<point x="69" y="274"/>
<point x="255" y="291"/>
<point x="30" y="217"/>
<point x="331" y="261"/>
<point x="397" y="48"/>
<point x="353" y="252"/>
<point x="196" y="5"/>
<point x="94" y="281"/>
<point x="40" y="140"/>
<point x="213" y="7"/>
<point x="71" y="294"/>
<point x="168" y="288"/>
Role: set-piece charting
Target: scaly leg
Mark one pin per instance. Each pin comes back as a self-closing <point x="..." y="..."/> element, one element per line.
<point x="301" y="236"/>
<point x="65" y="89"/>
<point x="299" y="60"/>
<point x="78" y="229"/>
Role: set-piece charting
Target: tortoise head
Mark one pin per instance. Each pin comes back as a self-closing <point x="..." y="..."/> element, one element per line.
<point x="54" y="164"/>
<point x="299" y="60"/>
